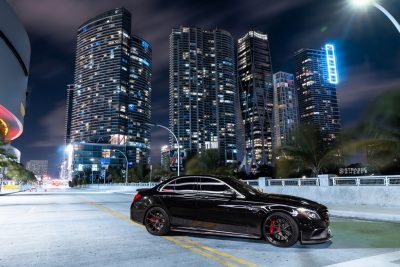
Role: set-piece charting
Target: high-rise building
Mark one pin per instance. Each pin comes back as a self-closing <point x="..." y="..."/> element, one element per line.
<point x="254" y="70"/>
<point x="68" y="112"/>
<point x="286" y="109"/>
<point x="165" y="157"/>
<point x="111" y="95"/>
<point x="316" y="79"/>
<point x="202" y="91"/>
<point x="38" y="167"/>
<point x="15" y="52"/>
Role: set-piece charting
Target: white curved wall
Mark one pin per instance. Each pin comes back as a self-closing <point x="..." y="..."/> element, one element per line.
<point x="15" y="53"/>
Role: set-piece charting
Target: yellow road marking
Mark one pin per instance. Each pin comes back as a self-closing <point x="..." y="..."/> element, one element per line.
<point x="220" y="253"/>
<point x="201" y="252"/>
<point x="183" y="242"/>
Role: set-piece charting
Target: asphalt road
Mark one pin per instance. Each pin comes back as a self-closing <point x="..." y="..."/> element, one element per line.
<point x="88" y="228"/>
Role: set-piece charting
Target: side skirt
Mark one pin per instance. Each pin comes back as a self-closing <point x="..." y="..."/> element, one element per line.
<point x="211" y="232"/>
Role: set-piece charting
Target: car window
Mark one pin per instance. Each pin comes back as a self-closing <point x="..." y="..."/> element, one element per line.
<point x="180" y="185"/>
<point x="185" y="185"/>
<point x="212" y="186"/>
<point x="169" y="187"/>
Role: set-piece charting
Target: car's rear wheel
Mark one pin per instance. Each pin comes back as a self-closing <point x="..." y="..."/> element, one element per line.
<point x="281" y="230"/>
<point x="157" y="221"/>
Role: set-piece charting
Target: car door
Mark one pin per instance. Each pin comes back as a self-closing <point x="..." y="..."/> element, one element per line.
<point x="179" y="197"/>
<point x="219" y="212"/>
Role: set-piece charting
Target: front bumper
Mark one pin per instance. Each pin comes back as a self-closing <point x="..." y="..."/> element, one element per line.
<point x="317" y="236"/>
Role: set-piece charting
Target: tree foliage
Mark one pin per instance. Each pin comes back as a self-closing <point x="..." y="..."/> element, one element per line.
<point x="139" y="173"/>
<point x="207" y="162"/>
<point x="378" y="134"/>
<point x="307" y="152"/>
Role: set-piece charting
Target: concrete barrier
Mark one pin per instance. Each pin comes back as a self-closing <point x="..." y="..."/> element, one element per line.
<point x="352" y="195"/>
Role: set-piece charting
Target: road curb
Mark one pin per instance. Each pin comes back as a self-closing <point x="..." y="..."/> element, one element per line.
<point x="11" y="193"/>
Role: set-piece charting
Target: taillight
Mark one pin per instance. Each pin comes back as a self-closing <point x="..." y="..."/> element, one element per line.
<point x="137" y="197"/>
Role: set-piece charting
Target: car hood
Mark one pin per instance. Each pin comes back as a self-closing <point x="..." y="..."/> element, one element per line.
<point x="290" y="200"/>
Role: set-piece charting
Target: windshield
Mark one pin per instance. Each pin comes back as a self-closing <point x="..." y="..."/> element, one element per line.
<point x="248" y="188"/>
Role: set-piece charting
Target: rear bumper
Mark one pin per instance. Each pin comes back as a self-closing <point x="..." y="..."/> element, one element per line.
<point x="136" y="214"/>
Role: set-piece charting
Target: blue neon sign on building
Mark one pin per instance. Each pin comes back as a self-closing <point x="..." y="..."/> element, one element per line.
<point x="333" y="76"/>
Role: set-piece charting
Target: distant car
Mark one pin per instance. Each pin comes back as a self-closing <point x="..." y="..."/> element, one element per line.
<point x="227" y="206"/>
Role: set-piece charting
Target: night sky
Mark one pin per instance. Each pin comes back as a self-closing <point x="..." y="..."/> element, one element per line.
<point x="367" y="44"/>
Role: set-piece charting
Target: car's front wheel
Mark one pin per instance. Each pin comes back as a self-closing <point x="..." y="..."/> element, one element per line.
<point x="281" y="230"/>
<point x="157" y="221"/>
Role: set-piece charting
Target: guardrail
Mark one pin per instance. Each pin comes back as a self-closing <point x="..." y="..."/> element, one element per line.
<point x="149" y="184"/>
<point x="293" y="182"/>
<point x="365" y="181"/>
<point x="393" y="180"/>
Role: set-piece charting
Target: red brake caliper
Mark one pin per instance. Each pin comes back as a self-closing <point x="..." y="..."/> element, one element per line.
<point x="271" y="226"/>
<point x="151" y="219"/>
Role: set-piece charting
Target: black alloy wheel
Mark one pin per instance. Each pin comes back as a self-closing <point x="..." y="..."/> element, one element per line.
<point x="157" y="221"/>
<point x="281" y="230"/>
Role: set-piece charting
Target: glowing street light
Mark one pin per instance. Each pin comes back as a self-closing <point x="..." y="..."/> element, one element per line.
<point x="366" y="3"/>
<point x="362" y="3"/>
<point x="176" y="139"/>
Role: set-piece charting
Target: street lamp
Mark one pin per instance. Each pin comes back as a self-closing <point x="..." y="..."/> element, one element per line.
<point x="177" y="142"/>
<point x="366" y="3"/>
<point x="126" y="170"/>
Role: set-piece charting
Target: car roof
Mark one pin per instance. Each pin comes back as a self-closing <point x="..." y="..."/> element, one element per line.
<point x="222" y="177"/>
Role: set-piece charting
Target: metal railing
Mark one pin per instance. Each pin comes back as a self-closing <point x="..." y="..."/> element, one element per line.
<point x="393" y="180"/>
<point x="293" y="182"/>
<point x="365" y="181"/>
<point x="252" y="182"/>
<point x="140" y="184"/>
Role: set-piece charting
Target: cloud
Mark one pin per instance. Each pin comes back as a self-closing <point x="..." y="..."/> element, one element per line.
<point x="52" y="125"/>
<point x="364" y="84"/>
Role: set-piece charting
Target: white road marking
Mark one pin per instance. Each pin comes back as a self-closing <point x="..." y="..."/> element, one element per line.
<point x="387" y="260"/>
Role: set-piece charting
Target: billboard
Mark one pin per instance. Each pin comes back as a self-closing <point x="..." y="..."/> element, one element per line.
<point x="173" y="159"/>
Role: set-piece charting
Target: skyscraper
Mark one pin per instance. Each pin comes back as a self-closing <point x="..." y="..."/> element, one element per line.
<point x="286" y="109"/>
<point x="256" y="96"/>
<point x="38" y="167"/>
<point x="316" y="79"/>
<point x="202" y="90"/>
<point x="68" y="112"/>
<point x="111" y="95"/>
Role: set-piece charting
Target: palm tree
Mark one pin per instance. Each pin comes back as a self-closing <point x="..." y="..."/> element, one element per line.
<point x="208" y="162"/>
<point x="378" y="133"/>
<point x="306" y="152"/>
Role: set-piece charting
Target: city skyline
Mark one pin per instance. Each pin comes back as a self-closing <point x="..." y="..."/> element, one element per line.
<point x="359" y="67"/>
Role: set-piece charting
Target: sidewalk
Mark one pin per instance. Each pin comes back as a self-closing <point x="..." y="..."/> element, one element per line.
<point x="372" y="213"/>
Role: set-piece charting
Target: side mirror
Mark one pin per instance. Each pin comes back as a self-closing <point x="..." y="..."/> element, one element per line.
<point x="230" y="193"/>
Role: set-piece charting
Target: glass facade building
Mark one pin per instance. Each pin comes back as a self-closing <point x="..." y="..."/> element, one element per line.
<point x="203" y="91"/>
<point x="286" y="109"/>
<point x="316" y="80"/>
<point x="110" y="101"/>
<point x="254" y="70"/>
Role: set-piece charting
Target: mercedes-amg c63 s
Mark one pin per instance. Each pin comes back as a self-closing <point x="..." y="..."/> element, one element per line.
<point x="227" y="206"/>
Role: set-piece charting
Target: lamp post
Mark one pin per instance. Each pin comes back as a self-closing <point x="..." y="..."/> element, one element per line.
<point x="366" y="3"/>
<point x="126" y="170"/>
<point x="177" y="142"/>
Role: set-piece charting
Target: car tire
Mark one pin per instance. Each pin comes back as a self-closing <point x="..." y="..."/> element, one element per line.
<point x="280" y="230"/>
<point x="157" y="221"/>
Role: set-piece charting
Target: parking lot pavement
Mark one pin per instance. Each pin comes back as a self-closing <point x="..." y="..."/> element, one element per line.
<point x="80" y="228"/>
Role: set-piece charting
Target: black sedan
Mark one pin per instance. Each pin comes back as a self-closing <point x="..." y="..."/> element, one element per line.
<point x="230" y="207"/>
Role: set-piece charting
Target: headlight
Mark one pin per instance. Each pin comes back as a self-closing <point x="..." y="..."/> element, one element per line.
<point x="309" y="213"/>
